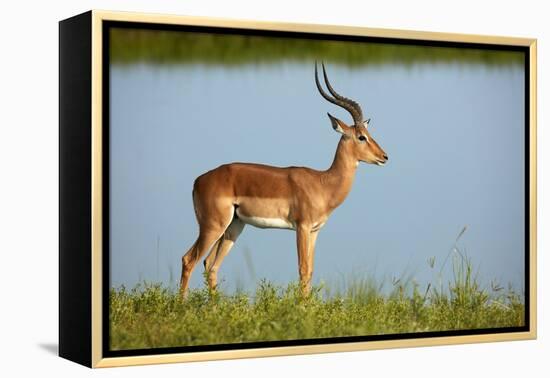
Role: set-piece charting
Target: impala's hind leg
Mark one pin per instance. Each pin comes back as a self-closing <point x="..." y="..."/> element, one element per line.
<point x="210" y="231"/>
<point x="204" y="242"/>
<point x="220" y="250"/>
<point x="209" y="260"/>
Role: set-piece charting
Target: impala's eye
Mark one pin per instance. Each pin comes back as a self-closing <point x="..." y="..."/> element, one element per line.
<point x="362" y="138"/>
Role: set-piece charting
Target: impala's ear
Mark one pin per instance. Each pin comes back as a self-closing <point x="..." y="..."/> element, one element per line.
<point x="338" y="125"/>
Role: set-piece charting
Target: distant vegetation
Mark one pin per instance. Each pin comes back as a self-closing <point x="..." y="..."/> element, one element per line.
<point x="151" y="316"/>
<point x="171" y="47"/>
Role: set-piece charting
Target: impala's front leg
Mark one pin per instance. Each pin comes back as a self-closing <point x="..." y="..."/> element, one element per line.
<point x="303" y="236"/>
<point x="311" y="253"/>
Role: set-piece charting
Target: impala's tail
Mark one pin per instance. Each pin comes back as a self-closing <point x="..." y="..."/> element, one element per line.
<point x="195" y="207"/>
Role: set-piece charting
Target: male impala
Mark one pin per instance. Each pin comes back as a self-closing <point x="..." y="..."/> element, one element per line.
<point x="295" y="198"/>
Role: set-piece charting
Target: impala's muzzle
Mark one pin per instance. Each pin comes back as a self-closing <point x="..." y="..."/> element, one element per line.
<point x="382" y="161"/>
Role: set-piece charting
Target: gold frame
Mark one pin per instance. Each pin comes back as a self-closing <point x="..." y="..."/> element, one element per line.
<point x="97" y="238"/>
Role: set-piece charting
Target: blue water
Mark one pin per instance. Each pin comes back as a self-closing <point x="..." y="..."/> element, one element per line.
<point x="453" y="133"/>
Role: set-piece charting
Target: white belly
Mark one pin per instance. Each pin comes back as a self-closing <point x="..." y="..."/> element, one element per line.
<point x="266" y="222"/>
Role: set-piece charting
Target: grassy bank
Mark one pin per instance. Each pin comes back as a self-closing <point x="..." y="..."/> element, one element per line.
<point x="171" y="47"/>
<point x="151" y="316"/>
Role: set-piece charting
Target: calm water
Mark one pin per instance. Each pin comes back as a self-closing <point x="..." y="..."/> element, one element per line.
<point x="453" y="132"/>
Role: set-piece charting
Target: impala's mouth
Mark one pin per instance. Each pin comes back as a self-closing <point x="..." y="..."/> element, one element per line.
<point x="382" y="161"/>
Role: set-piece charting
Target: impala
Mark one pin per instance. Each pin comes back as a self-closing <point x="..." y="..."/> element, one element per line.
<point x="294" y="198"/>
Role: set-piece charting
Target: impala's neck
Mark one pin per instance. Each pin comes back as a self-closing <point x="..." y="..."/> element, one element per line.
<point x="338" y="179"/>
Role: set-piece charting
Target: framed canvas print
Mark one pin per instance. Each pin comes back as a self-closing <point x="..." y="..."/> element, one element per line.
<point x="235" y="189"/>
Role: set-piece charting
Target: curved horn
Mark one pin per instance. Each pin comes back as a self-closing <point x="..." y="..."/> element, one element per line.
<point x="342" y="101"/>
<point x="321" y="91"/>
<point x="357" y="114"/>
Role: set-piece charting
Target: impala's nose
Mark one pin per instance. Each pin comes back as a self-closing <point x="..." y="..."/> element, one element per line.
<point x="386" y="157"/>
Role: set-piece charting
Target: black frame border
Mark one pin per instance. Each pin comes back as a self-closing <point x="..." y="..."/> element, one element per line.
<point x="106" y="25"/>
<point x="75" y="181"/>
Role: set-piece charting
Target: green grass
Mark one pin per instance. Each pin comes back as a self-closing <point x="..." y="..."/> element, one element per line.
<point x="152" y="316"/>
<point x="173" y="47"/>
